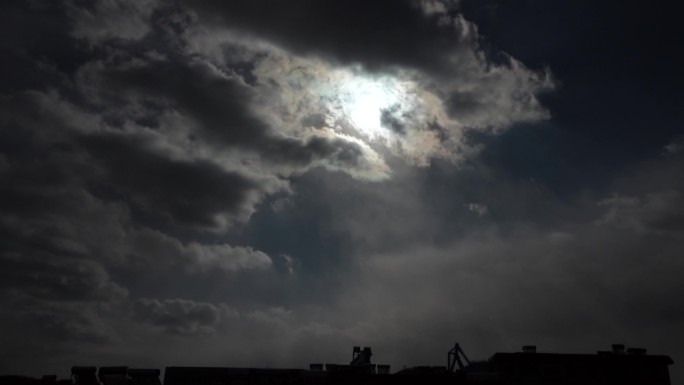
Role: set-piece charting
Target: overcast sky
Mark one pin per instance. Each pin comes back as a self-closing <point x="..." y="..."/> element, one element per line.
<point x="268" y="183"/>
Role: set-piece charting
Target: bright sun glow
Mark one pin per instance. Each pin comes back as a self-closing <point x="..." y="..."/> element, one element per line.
<point x="363" y="101"/>
<point x="367" y="100"/>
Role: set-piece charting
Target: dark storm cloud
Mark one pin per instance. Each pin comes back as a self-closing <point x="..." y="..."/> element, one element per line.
<point x="74" y="172"/>
<point x="338" y="152"/>
<point x="51" y="277"/>
<point x="69" y="184"/>
<point x="389" y="119"/>
<point x="481" y="89"/>
<point x="221" y="105"/>
<point x="185" y="176"/>
<point x="378" y="34"/>
<point x="30" y="60"/>
<point x="194" y="193"/>
<point x="223" y="108"/>
<point x="187" y="192"/>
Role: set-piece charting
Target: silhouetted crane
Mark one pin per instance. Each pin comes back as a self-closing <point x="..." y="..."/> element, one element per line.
<point x="454" y="358"/>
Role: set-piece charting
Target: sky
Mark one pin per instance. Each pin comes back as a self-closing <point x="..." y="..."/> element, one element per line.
<point x="269" y="183"/>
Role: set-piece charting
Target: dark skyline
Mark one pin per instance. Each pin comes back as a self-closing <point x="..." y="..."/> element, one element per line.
<point x="266" y="183"/>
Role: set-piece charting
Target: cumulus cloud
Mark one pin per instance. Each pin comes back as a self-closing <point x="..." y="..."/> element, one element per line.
<point x="227" y="257"/>
<point x="387" y="33"/>
<point x="266" y="174"/>
<point x="414" y="112"/>
<point x="237" y="94"/>
<point x="147" y="244"/>
<point x="74" y="188"/>
<point x="178" y="316"/>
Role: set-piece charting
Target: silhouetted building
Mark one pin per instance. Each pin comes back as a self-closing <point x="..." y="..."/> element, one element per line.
<point x="178" y="375"/>
<point x="613" y="367"/>
<point x="360" y="364"/>
<point x="84" y="375"/>
<point x="526" y="367"/>
<point x="621" y="366"/>
<point x="113" y="375"/>
<point x="19" y="380"/>
<point x="143" y="377"/>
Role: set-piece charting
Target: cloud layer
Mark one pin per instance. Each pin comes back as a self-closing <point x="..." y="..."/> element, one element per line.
<point x="247" y="181"/>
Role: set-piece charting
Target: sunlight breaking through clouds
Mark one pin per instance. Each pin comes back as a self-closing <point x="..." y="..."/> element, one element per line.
<point x="242" y="181"/>
<point x="364" y="99"/>
<point x="382" y="113"/>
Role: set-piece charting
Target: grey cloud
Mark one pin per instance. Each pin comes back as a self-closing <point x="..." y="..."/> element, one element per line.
<point x="196" y="193"/>
<point x="224" y="110"/>
<point x="86" y="152"/>
<point x="478" y="91"/>
<point x="95" y="177"/>
<point x="611" y="274"/>
<point x="439" y="7"/>
<point x="659" y="212"/>
<point x="144" y="87"/>
<point x="483" y="289"/>
<point x="227" y="257"/>
<point x="204" y="85"/>
<point x="314" y="120"/>
<point x="271" y="336"/>
<point x="137" y="174"/>
<point x="220" y="104"/>
<point x="477" y="208"/>
<point x="56" y="278"/>
<point x="60" y="322"/>
<point x="72" y="191"/>
<point x="108" y="19"/>
<point x="648" y="199"/>
<point x="178" y="316"/>
<point x="378" y="34"/>
<point x="389" y="119"/>
<point x="316" y="149"/>
<point x="499" y="96"/>
<point x="153" y="248"/>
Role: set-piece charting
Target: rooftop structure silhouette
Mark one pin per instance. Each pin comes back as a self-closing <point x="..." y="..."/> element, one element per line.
<point x="622" y="366"/>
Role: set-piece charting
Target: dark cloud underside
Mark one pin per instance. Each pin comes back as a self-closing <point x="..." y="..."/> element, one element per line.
<point x="266" y="183"/>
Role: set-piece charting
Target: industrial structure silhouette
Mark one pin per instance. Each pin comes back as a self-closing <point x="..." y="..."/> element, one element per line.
<point x="617" y="366"/>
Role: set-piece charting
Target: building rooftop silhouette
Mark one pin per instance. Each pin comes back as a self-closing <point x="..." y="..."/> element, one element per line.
<point x="617" y="366"/>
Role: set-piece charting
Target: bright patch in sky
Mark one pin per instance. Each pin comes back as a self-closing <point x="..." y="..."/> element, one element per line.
<point x="390" y="112"/>
<point x="362" y="101"/>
